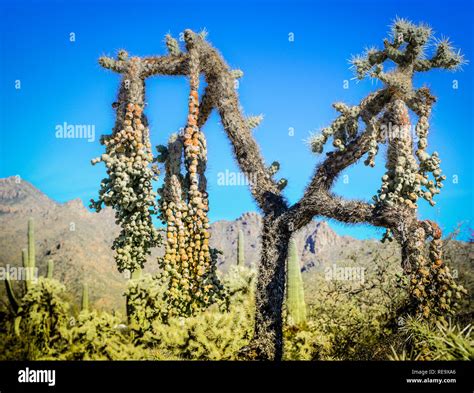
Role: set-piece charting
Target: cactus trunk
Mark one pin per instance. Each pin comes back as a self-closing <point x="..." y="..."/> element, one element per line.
<point x="24" y="259"/>
<point x="267" y="342"/>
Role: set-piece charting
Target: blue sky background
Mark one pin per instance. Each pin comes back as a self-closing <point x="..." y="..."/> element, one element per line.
<point x="292" y="83"/>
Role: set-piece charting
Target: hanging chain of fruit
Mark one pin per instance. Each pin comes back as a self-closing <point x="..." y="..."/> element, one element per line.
<point x="128" y="188"/>
<point x="189" y="264"/>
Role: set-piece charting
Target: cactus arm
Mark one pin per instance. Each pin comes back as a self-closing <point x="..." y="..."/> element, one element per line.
<point x="16" y="326"/>
<point x="166" y="65"/>
<point x="172" y="45"/>
<point x="206" y="105"/>
<point x="225" y="100"/>
<point x="49" y="273"/>
<point x="11" y="294"/>
<point x="112" y="64"/>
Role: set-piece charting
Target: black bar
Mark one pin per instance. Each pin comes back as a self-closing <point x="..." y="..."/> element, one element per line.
<point x="238" y="377"/>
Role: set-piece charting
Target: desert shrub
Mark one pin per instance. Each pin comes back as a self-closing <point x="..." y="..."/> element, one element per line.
<point x="214" y="334"/>
<point x="144" y="297"/>
<point x="37" y="327"/>
<point x="422" y="340"/>
<point x="349" y="319"/>
<point x="42" y="329"/>
<point x="95" y="336"/>
<point x="306" y="343"/>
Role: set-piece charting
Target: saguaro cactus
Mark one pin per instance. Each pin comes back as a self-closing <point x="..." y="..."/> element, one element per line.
<point x="295" y="303"/>
<point x="29" y="267"/>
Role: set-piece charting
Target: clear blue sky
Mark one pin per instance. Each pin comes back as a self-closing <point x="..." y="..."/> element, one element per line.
<point x="292" y="83"/>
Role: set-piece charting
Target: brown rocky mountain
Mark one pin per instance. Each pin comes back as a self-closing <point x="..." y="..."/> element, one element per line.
<point x="78" y="241"/>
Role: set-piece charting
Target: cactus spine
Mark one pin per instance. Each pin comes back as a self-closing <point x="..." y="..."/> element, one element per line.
<point x="240" y="249"/>
<point x="296" y="305"/>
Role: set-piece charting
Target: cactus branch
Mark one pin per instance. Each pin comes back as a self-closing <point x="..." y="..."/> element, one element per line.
<point x="49" y="273"/>
<point x="11" y="294"/>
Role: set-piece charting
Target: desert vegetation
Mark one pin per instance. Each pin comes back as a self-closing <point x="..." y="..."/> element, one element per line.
<point x="189" y="310"/>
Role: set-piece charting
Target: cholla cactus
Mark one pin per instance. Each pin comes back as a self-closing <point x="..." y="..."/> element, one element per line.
<point x="128" y="188"/>
<point x="406" y="178"/>
<point x="144" y="303"/>
<point x="432" y="288"/>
